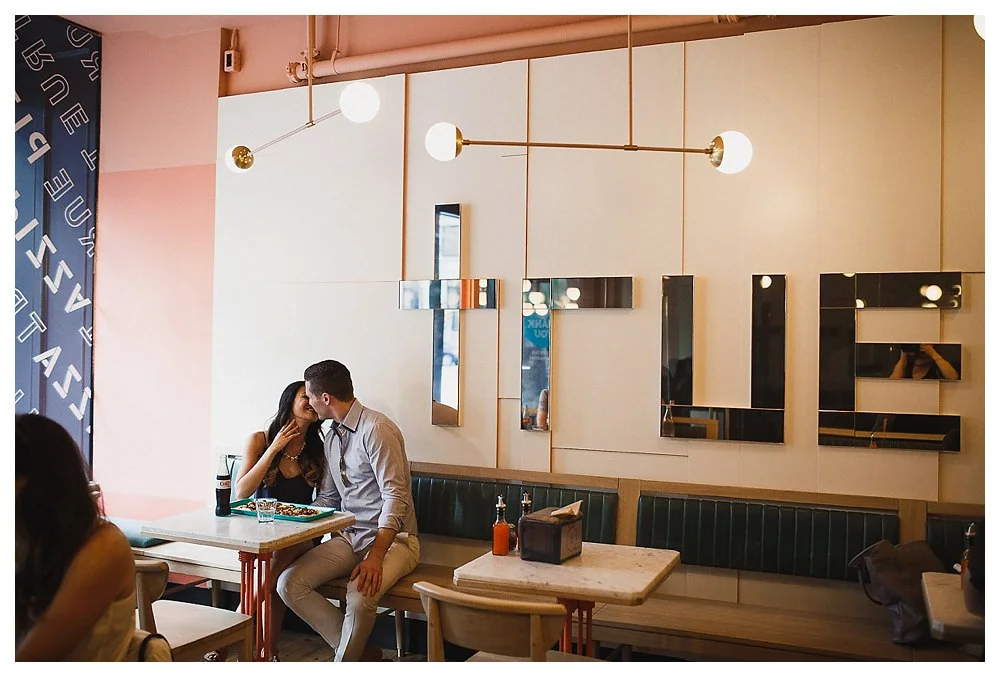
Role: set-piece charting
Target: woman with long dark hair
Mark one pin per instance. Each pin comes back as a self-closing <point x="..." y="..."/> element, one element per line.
<point x="74" y="582"/>
<point x="285" y="462"/>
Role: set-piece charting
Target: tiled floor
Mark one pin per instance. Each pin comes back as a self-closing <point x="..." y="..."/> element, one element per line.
<point x="302" y="647"/>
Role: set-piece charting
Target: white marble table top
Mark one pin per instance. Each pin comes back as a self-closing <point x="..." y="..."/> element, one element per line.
<point x="946" y="613"/>
<point x="241" y="532"/>
<point x="616" y="574"/>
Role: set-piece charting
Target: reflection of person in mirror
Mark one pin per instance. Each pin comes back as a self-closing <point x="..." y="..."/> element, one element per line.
<point x="922" y="362"/>
<point x="542" y="418"/>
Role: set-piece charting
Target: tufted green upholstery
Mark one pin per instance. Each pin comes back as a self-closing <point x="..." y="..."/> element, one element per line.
<point x="466" y="508"/>
<point x="131" y="528"/>
<point x="801" y="540"/>
<point x="946" y="536"/>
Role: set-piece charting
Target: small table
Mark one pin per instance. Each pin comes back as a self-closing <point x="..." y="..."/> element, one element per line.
<point x="255" y="543"/>
<point x="946" y="613"/>
<point x="615" y="574"/>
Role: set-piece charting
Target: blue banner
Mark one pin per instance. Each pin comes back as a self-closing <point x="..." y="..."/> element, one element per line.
<point x="56" y="125"/>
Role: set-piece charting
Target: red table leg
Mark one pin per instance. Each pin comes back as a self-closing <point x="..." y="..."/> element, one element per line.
<point x="264" y="606"/>
<point x="583" y="610"/>
<point x="255" y="600"/>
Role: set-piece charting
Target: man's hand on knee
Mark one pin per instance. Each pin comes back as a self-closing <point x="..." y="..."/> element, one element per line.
<point x="368" y="573"/>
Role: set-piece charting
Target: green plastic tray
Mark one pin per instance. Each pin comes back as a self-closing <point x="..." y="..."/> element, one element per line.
<point x="239" y="509"/>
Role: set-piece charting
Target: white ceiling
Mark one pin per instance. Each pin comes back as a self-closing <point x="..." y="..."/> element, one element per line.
<point x="165" y="26"/>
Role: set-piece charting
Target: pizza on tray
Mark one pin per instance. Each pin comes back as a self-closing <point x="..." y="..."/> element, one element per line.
<point x="287" y="509"/>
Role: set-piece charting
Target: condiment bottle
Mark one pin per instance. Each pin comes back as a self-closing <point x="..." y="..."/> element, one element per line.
<point x="501" y="530"/>
<point x="525" y="510"/>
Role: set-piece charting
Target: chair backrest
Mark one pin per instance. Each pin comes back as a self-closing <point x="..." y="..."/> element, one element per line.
<point x="150" y="582"/>
<point x="148" y="647"/>
<point x="500" y="626"/>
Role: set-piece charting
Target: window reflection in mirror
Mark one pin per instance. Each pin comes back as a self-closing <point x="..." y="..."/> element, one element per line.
<point x="446" y="354"/>
<point x="536" y="319"/>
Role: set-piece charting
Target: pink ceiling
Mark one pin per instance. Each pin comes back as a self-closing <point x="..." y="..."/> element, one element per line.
<point x="167" y="26"/>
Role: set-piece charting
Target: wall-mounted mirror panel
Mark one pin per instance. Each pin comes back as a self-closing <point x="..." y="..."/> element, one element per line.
<point x="447" y="293"/>
<point x="765" y="420"/>
<point x="471" y="294"/>
<point x="723" y="423"/>
<point x="536" y="321"/>
<point x="836" y="290"/>
<point x="574" y="293"/>
<point x="767" y="342"/>
<point x="837" y="333"/>
<point x="909" y="290"/>
<point x="677" y="342"/>
<point x="910" y="361"/>
<point x="923" y="432"/>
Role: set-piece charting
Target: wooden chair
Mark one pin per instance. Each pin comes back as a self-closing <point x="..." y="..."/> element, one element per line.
<point x="191" y="629"/>
<point x="491" y="626"/>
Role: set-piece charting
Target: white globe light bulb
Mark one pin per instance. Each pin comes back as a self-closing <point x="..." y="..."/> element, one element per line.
<point x="573" y="293"/>
<point x="359" y="102"/>
<point x="737" y="151"/>
<point x="934" y="292"/>
<point x="979" y="21"/>
<point x="443" y="141"/>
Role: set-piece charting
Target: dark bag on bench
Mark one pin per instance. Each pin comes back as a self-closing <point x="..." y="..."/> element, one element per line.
<point x="890" y="576"/>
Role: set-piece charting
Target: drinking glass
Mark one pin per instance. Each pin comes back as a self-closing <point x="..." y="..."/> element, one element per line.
<point x="265" y="509"/>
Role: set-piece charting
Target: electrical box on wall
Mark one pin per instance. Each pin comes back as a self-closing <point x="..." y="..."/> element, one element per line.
<point x="231" y="62"/>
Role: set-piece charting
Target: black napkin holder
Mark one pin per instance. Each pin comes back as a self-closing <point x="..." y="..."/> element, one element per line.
<point x="545" y="537"/>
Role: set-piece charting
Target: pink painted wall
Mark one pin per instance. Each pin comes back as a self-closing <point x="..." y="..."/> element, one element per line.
<point x="154" y="258"/>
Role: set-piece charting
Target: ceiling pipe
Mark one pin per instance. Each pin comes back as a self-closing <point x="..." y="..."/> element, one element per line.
<point x="489" y="44"/>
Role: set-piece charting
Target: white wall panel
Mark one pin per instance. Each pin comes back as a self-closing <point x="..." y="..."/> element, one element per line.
<point x="963" y="474"/>
<point x="322" y="206"/>
<point x="605" y="212"/>
<point x="880" y="144"/>
<point x="486" y="102"/>
<point x="963" y="182"/>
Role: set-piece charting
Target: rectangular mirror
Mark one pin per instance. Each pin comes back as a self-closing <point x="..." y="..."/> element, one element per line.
<point x="767" y="342"/>
<point x="573" y="293"/>
<point x="536" y="319"/>
<point x="837" y="333"/>
<point x="872" y="430"/>
<point x="723" y="423"/>
<point x="910" y="361"/>
<point x="448" y="294"/>
<point x="909" y="290"/>
<point x="836" y="290"/>
<point x="677" y="342"/>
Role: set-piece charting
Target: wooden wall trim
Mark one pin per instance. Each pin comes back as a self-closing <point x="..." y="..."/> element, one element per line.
<point x="912" y="520"/>
<point x="753" y="494"/>
<point x="507" y="475"/>
<point x="628" y="511"/>
<point x="956" y="509"/>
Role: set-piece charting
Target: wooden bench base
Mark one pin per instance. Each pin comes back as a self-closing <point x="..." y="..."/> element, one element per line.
<point x="705" y="630"/>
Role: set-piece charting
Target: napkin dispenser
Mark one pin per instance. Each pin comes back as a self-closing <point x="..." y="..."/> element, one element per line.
<point x="550" y="538"/>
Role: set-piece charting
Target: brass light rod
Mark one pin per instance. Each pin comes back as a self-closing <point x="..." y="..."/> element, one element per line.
<point x="590" y="146"/>
<point x="296" y="130"/>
